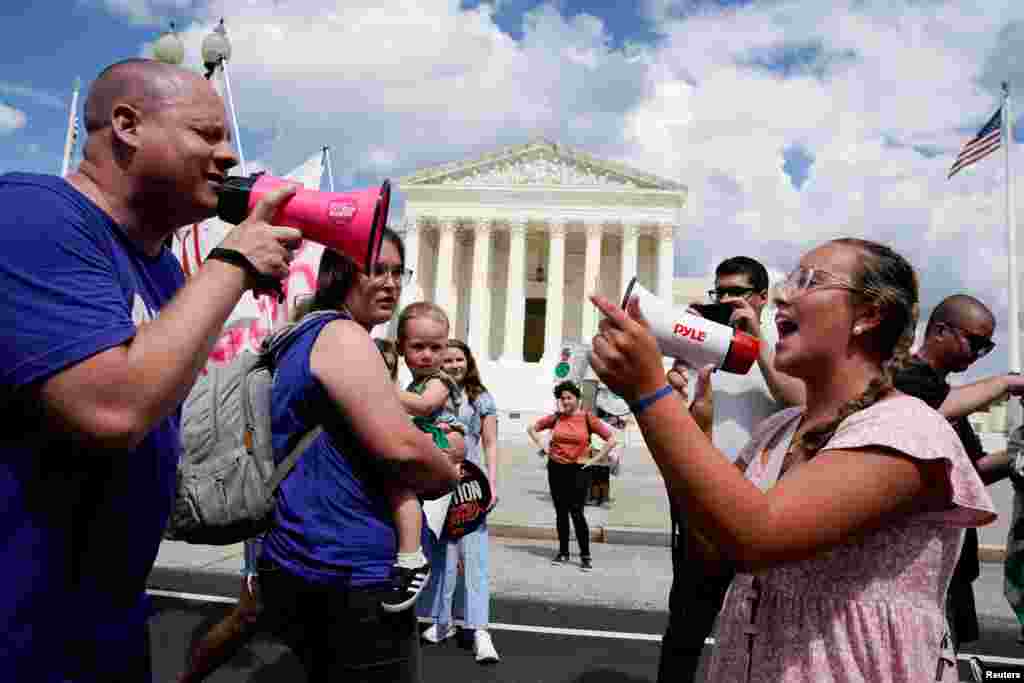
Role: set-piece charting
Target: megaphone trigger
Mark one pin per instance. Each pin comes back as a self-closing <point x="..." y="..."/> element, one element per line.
<point x="269" y="285"/>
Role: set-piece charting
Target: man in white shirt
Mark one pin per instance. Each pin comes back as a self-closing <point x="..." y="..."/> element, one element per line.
<point x="740" y="403"/>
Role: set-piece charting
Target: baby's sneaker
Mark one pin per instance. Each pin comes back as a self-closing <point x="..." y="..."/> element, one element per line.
<point x="436" y="634"/>
<point x="406" y="587"/>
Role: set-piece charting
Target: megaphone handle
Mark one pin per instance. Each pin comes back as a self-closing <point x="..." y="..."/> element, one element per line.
<point x="268" y="284"/>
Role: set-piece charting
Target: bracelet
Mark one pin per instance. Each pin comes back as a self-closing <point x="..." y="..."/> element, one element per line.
<point x="235" y="258"/>
<point x="238" y="259"/>
<point x="641" y="404"/>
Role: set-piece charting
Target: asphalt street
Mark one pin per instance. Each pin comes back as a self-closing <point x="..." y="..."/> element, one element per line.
<point x="539" y="641"/>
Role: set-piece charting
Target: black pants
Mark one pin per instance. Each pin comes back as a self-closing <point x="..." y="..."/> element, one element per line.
<point x="339" y="634"/>
<point x="134" y="665"/>
<point x="693" y="604"/>
<point x="600" y="484"/>
<point x="569" y="484"/>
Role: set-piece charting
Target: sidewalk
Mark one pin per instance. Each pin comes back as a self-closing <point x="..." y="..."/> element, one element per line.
<point x="632" y="533"/>
<point x="631" y="536"/>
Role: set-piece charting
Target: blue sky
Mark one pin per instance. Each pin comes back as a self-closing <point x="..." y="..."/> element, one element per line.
<point x="790" y="121"/>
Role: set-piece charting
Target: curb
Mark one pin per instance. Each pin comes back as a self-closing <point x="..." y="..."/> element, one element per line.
<point x="994" y="554"/>
<point x="598" y="534"/>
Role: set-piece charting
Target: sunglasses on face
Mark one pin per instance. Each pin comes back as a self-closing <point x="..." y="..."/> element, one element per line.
<point x="720" y="293"/>
<point x="980" y="344"/>
<point x="399" y="274"/>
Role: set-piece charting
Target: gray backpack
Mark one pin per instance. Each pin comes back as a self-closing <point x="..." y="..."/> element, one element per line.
<point x="226" y="476"/>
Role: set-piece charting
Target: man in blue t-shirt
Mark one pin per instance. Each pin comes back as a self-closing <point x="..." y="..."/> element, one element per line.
<point x="101" y="341"/>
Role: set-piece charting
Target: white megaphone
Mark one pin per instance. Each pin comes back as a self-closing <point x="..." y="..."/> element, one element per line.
<point x="692" y="339"/>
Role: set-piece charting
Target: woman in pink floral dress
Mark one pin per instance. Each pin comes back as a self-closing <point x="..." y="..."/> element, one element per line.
<point x="846" y="560"/>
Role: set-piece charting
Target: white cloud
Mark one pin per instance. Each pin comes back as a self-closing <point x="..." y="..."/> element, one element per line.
<point x="148" y="12"/>
<point x="922" y="75"/>
<point x="391" y="88"/>
<point x="395" y="86"/>
<point x="11" y="119"/>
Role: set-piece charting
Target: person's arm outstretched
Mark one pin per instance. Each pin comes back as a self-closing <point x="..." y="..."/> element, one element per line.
<point x="824" y="502"/>
<point x="970" y="398"/>
<point x="112" y="399"/>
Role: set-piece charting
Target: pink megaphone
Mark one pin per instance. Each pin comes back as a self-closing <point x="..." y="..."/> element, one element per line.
<point x="349" y="222"/>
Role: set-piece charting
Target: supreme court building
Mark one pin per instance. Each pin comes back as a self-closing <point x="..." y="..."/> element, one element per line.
<point x="510" y="244"/>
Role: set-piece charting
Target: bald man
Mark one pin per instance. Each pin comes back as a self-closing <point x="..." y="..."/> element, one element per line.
<point x="101" y="342"/>
<point x="959" y="332"/>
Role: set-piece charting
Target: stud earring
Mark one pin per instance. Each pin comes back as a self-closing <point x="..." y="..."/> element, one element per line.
<point x="857" y="329"/>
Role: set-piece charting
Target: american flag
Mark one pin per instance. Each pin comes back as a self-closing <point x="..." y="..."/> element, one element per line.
<point x="981" y="145"/>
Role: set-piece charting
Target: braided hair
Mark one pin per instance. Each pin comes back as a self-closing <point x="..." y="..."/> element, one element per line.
<point x="887" y="280"/>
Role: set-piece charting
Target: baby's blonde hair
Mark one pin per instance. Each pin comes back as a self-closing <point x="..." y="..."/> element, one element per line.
<point x="421" y="309"/>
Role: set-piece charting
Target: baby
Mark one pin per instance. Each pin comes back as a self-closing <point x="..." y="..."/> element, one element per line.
<point x="432" y="401"/>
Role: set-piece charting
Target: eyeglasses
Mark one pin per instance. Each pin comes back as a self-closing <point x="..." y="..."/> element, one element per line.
<point x="734" y="292"/>
<point x="803" y="280"/>
<point x="399" y="274"/>
<point x="980" y="344"/>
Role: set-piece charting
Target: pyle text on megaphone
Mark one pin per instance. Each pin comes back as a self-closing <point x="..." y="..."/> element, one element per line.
<point x="695" y="340"/>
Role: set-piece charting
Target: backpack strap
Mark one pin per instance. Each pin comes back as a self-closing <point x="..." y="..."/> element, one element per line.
<point x="271" y="348"/>
<point x="286" y="466"/>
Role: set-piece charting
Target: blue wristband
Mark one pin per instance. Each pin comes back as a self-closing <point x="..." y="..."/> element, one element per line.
<point x="641" y="404"/>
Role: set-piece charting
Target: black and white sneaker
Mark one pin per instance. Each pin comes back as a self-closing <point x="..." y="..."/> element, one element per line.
<point x="407" y="585"/>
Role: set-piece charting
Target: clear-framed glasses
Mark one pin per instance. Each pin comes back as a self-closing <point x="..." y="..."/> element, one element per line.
<point x="734" y="292"/>
<point x="803" y="280"/>
<point x="980" y="344"/>
<point x="399" y="274"/>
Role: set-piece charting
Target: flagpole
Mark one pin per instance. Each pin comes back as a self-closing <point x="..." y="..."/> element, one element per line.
<point x="1011" y="231"/>
<point x="1013" y="408"/>
<point x="234" y="118"/>
<point x="69" y="138"/>
<point x="330" y="173"/>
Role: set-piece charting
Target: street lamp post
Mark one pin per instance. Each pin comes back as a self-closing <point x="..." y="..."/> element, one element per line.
<point x="216" y="51"/>
<point x="169" y="48"/>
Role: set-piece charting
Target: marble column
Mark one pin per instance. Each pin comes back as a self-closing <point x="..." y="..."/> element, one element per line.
<point x="515" y="298"/>
<point x="591" y="279"/>
<point x="555" y="305"/>
<point x="666" y="261"/>
<point x="630" y="237"/>
<point x="480" y="296"/>
<point x="445" y="267"/>
<point x="414" y="290"/>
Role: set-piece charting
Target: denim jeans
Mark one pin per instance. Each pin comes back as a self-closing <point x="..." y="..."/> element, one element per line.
<point x="438" y="596"/>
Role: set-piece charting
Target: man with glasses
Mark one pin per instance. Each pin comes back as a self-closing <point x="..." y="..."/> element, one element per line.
<point x="740" y="403"/>
<point x="959" y="332"/>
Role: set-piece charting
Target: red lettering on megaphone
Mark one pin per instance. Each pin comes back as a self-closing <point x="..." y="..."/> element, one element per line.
<point x="685" y="331"/>
<point x="341" y="211"/>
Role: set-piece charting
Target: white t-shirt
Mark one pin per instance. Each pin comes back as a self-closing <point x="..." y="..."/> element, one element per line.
<point x="742" y="401"/>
